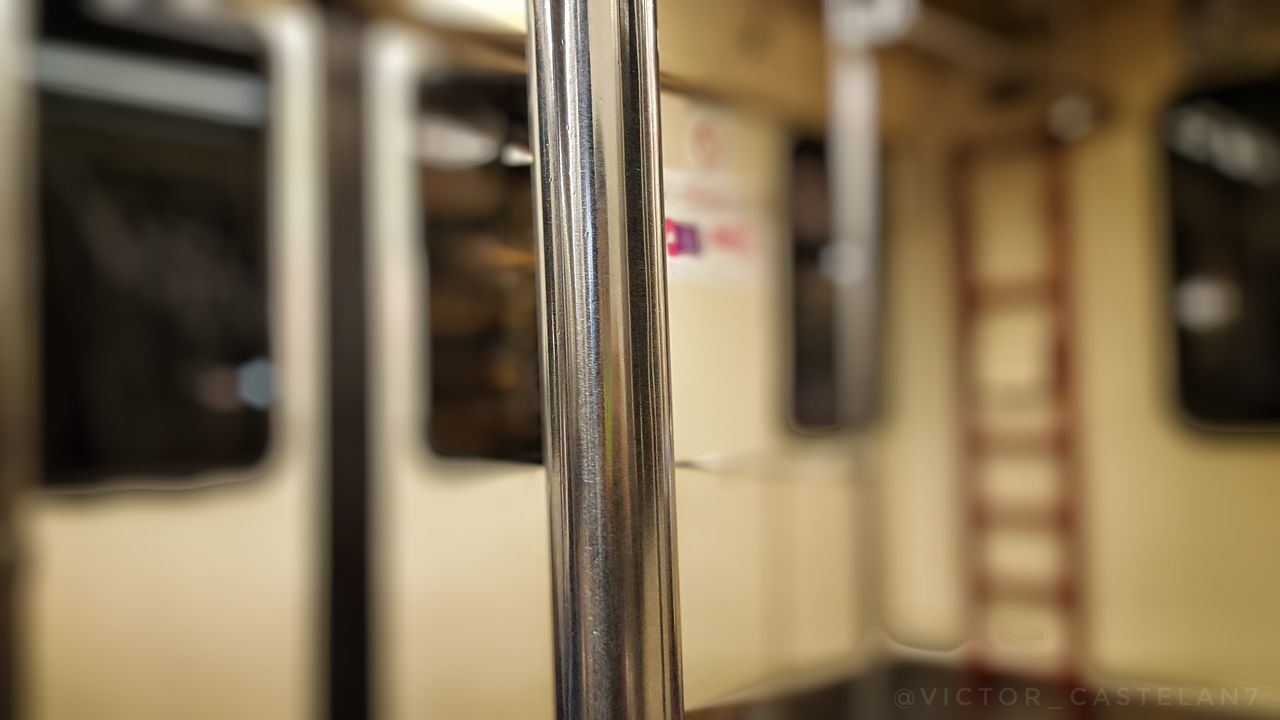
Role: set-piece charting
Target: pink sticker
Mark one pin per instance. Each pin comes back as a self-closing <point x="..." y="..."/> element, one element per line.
<point x="681" y="239"/>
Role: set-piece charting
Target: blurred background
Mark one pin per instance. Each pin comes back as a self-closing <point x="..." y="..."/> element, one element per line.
<point x="975" y="349"/>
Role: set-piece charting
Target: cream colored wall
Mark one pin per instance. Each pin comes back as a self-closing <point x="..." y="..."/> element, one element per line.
<point x="202" y="603"/>
<point x="729" y="365"/>
<point x="923" y="584"/>
<point x="1179" y="524"/>
<point x="1182" y="523"/>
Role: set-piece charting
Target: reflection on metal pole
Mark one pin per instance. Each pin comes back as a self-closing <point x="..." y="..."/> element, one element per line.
<point x="607" y="395"/>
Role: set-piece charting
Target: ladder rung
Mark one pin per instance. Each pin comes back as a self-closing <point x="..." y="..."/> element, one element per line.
<point x="1056" y="516"/>
<point x="1012" y="292"/>
<point x="1033" y="443"/>
<point x="1034" y="591"/>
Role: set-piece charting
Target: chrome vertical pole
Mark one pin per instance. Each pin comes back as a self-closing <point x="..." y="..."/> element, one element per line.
<point x="19" y="373"/>
<point x="855" y="28"/>
<point x="594" y="97"/>
<point x="854" y="162"/>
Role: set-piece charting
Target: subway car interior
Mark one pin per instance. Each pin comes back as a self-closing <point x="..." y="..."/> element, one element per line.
<point x="639" y="359"/>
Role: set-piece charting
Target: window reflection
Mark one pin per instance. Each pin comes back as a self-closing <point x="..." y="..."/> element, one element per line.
<point x="481" y="295"/>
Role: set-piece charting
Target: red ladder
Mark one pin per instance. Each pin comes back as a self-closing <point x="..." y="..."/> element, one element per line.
<point x="1056" y="446"/>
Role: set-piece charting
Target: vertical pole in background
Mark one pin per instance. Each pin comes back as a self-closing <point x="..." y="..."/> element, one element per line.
<point x="853" y="145"/>
<point x="349" y="670"/>
<point x="854" y="151"/>
<point x="594" y="98"/>
<point x="855" y="28"/>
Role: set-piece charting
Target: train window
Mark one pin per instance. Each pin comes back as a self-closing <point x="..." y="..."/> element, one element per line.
<point x="1223" y="151"/>
<point x="152" y="238"/>
<point x="478" y="228"/>
<point x="210" y="25"/>
<point x="815" y="391"/>
<point x="165" y="30"/>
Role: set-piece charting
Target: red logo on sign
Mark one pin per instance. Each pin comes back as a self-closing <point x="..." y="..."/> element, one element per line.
<point x="681" y="239"/>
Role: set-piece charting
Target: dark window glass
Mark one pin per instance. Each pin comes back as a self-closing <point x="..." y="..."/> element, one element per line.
<point x="478" y="229"/>
<point x="158" y="29"/>
<point x="815" y="392"/>
<point x="155" y="349"/>
<point x="1223" y="150"/>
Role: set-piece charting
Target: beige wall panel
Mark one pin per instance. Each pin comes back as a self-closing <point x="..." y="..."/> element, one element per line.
<point x="922" y="558"/>
<point x="820" y="577"/>
<point x="1181" y="524"/>
<point x="203" y="603"/>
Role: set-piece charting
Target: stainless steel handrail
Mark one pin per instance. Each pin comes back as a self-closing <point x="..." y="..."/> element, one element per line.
<point x="607" y="393"/>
